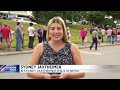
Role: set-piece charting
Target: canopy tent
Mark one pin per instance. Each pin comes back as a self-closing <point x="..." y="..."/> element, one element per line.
<point x="25" y="13"/>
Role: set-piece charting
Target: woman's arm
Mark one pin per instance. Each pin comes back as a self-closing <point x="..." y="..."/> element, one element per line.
<point x="77" y="61"/>
<point x="35" y="60"/>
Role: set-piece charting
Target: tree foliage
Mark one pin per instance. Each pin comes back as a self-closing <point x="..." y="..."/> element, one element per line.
<point x="96" y="16"/>
<point x="114" y="14"/>
<point x="110" y="22"/>
<point x="93" y="16"/>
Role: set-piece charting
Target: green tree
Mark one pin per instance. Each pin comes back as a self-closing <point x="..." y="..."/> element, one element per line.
<point x="96" y="16"/>
<point x="109" y="22"/>
<point x="114" y="14"/>
<point x="45" y="16"/>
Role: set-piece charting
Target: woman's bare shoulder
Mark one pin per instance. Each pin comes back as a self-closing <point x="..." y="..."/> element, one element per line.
<point x="73" y="46"/>
<point x="39" y="47"/>
<point x="40" y="44"/>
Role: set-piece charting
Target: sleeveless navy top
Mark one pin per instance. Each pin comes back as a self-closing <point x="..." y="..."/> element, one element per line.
<point x="61" y="57"/>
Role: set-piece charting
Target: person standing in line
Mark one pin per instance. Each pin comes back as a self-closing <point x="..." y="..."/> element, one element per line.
<point x="31" y="32"/>
<point x="0" y="35"/>
<point x="57" y="50"/>
<point x="86" y="38"/>
<point x="94" y="39"/>
<point x="22" y="36"/>
<point x="99" y="35"/>
<point x="44" y="33"/>
<point x="39" y="34"/>
<point x="109" y="31"/>
<point x="118" y="35"/>
<point x="5" y="36"/>
<point x="91" y="30"/>
<point x="68" y="33"/>
<point x="103" y="34"/>
<point x="19" y="37"/>
<point x="113" y="34"/>
<point x="11" y="36"/>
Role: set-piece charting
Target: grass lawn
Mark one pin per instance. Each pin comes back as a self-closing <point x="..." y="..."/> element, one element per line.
<point x="74" y="30"/>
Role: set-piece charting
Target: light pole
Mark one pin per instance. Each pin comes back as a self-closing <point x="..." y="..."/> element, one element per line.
<point x="8" y="14"/>
<point x="72" y="16"/>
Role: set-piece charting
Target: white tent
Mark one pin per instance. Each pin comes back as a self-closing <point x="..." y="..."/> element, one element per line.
<point x="25" y="13"/>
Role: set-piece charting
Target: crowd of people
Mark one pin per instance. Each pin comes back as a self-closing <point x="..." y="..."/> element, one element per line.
<point x="98" y="34"/>
<point x="6" y="36"/>
<point x="54" y="47"/>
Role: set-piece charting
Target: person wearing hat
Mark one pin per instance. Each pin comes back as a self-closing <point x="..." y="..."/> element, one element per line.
<point x="94" y="38"/>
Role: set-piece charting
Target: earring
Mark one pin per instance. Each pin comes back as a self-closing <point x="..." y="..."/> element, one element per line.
<point x="49" y="37"/>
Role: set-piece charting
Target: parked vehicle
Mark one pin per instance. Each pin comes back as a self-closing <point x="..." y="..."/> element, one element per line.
<point x="2" y="17"/>
<point x="118" y="25"/>
<point x="23" y="19"/>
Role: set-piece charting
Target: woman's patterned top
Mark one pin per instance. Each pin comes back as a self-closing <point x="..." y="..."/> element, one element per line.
<point x="61" y="57"/>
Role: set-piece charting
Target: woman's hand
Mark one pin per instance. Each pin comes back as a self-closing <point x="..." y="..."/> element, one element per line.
<point x="63" y="76"/>
<point x="46" y="76"/>
<point x="55" y="76"/>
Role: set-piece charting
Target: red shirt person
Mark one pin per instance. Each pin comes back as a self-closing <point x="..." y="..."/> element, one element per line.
<point x="5" y="35"/>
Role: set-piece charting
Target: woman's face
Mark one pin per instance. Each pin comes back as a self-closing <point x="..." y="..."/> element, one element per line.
<point x="56" y="32"/>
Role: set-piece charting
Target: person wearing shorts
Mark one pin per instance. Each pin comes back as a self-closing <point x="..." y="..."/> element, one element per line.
<point x="6" y="42"/>
<point x="5" y="36"/>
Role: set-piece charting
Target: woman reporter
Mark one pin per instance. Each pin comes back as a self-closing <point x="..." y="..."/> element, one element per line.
<point x="56" y="51"/>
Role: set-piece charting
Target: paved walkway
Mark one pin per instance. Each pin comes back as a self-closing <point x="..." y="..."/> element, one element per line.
<point x="27" y="50"/>
<point x="99" y="45"/>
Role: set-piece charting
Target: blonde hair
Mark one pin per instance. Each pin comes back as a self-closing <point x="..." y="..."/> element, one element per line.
<point x="60" y="21"/>
<point x="68" y="28"/>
